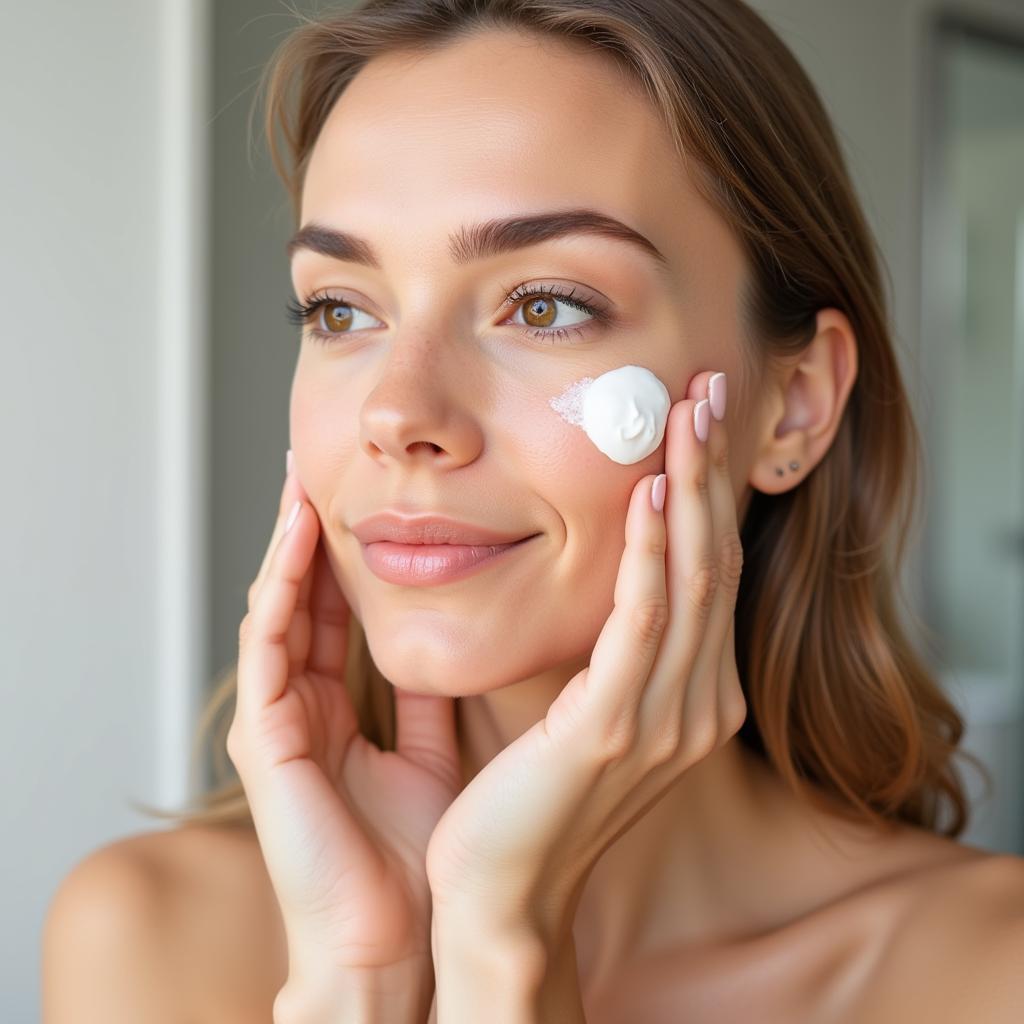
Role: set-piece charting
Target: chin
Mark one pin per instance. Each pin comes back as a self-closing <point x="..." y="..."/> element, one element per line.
<point x="432" y="666"/>
<point x="415" y="681"/>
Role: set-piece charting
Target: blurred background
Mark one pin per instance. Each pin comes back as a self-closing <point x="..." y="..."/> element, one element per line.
<point x="148" y="362"/>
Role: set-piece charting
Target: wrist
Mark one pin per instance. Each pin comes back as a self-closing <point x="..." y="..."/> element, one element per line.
<point x="486" y="972"/>
<point x="509" y="973"/>
<point x="399" y="993"/>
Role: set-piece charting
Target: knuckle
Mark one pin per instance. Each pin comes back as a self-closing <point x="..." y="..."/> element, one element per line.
<point x="700" y="480"/>
<point x="720" y="456"/>
<point x="734" y="712"/>
<point x="702" y="740"/>
<point x="731" y="561"/>
<point x="244" y="629"/>
<point x="701" y="587"/>
<point x="664" y="746"/>
<point x="617" y="738"/>
<point x="657" y="542"/>
<point x="648" y="620"/>
<point x="233" y="743"/>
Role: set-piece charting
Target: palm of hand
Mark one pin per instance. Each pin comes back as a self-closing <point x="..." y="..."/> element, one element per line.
<point x="358" y="820"/>
<point x="343" y="825"/>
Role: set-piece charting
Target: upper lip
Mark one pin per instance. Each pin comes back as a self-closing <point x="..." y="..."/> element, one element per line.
<point x="427" y="529"/>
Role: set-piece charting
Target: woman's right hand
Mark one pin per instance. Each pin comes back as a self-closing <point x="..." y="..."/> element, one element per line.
<point x="343" y="826"/>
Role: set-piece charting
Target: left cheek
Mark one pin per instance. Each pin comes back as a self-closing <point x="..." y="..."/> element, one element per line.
<point x="579" y="482"/>
<point x="324" y="443"/>
<point x="609" y="433"/>
<point x="589" y="494"/>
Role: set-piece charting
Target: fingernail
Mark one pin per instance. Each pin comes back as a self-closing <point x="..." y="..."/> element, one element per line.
<point x="288" y="460"/>
<point x="716" y="392"/>
<point x="292" y="516"/>
<point x="658" y="492"/>
<point x="701" y="419"/>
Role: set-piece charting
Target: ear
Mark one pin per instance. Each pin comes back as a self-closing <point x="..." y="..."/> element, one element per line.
<point x="803" y="404"/>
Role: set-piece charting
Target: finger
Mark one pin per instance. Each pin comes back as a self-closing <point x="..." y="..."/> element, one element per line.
<point x="300" y="631"/>
<point x="715" y="680"/>
<point x="330" y="617"/>
<point x="628" y="643"/>
<point x="700" y="707"/>
<point x="732" y="703"/>
<point x="690" y="567"/>
<point x="291" y="492"/>
<point x="263" y="662"/>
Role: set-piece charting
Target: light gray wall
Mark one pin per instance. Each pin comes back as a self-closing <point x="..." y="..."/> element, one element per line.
<point x="79" y="296"/>
<point x="98" y="561"/>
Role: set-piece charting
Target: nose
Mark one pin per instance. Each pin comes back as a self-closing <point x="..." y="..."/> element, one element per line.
<point x="420" y="409"/>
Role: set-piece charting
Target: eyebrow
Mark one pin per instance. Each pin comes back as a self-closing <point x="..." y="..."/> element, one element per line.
<point x="479" y="241"/>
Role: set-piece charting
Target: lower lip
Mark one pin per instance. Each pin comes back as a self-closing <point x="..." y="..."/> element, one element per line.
<point x="424" y="565"/>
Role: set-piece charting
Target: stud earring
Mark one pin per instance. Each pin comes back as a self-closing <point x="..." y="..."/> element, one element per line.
<point x="792" y="465"/>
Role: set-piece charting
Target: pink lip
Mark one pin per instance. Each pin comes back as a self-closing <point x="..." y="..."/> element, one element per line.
<point x="426" y="565"/>
<point x="428" y="529"/>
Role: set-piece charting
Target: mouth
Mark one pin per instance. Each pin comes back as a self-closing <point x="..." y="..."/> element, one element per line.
<point x="426" y="565"/>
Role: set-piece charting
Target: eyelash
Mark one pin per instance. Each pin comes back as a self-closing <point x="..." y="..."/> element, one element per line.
<point x="301" y="313"/>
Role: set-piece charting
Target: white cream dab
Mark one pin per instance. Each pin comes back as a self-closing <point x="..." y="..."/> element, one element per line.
<point x="624" y="411"/>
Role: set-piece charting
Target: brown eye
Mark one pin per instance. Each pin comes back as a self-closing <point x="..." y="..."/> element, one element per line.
<point x="325" y="318"/>
<point x="539" y="312"/>
<point x="337" y="317"/>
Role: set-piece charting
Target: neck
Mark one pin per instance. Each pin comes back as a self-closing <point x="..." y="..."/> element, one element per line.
<point x="728" y="851"/>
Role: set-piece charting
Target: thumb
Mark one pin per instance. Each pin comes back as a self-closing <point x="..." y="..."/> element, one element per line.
<point x="425" y="728"/>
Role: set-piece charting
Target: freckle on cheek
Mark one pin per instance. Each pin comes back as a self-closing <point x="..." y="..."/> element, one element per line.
<point x="624" y="411"/>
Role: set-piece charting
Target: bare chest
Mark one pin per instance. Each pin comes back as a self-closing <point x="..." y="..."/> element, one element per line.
<point x="817" y="972"/>
<point x="723" y="988"/>
<point x="822" y="969"/>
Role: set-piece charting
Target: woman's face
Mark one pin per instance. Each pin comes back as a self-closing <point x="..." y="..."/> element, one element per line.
<point x="430" y="393"/>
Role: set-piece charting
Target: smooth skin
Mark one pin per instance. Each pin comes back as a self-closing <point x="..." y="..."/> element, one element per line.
<point x="661" y="692"/>
<point x="342" y="825"/>
<point x="720" y="891"/>
<point x="620" y="732"/>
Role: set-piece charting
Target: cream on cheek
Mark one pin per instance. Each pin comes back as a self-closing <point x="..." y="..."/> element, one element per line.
<point x="624" y="411"/>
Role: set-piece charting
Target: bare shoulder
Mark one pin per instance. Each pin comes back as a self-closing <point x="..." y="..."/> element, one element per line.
<point x="163" y="925"/>
<point x="104" y="945"/>
<point x="956" y="945"/>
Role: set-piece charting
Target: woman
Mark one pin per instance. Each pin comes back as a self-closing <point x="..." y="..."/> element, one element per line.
<point x="695" y="770"/>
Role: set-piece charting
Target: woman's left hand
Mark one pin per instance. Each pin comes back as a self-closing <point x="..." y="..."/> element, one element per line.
<point x="662" y="691"/>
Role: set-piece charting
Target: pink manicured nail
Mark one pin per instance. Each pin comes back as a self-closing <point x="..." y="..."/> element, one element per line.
<point x="292" y="516"/>
<point x="702" y="419"/>
<point x="658" y="492"/>
<point x="716" y="392"/>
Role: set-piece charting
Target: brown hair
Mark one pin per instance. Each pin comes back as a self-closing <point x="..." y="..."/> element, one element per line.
<point x="839" y="702"/>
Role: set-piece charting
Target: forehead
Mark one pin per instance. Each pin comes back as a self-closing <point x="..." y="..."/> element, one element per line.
<point x="491" y="125"/>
